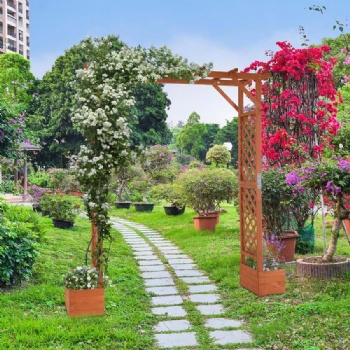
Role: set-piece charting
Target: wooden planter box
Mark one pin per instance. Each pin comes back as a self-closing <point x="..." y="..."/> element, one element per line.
<point x="262" y="282"/>
<point x="85" y="302"/>
<point x="75" y="193"/>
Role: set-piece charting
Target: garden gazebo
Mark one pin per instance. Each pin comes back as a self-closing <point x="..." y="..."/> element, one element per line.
<point x="249" y="168"/>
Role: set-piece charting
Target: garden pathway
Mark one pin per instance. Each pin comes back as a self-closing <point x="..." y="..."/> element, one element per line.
<point x="164" y="267"/>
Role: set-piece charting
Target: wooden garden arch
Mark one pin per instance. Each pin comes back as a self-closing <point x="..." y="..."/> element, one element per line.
<point x="256" y="280"/>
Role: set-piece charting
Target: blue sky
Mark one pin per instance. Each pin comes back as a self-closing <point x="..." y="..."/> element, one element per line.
<point x="229" y="33"/>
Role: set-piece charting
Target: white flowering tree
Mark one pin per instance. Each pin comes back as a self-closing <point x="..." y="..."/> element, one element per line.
<point x="104" y="94"/>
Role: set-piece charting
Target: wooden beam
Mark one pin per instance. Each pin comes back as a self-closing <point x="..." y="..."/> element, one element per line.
<point x="225" y="96"/>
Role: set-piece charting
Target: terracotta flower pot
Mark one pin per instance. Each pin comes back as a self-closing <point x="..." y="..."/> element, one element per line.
<point x="289" y="239"/>
<point x="85" y="302"/>
<point x="75" y="193"/>
<point x="205" y="223"/>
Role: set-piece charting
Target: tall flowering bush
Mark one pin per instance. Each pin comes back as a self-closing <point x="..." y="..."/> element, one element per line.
<point x="104" y="93"/>
<point x="332" y="178"/>
<point x="300" y="104"/>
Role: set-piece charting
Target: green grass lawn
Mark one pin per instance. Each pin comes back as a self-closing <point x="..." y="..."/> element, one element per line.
<point x="310" y="315"/>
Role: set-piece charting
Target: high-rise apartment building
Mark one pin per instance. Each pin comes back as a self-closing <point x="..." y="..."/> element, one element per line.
<point x="14" y="27"/>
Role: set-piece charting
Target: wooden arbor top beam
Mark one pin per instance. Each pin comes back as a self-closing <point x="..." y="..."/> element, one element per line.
<point x="230" y="78"/>
<point x="217" y="79"/>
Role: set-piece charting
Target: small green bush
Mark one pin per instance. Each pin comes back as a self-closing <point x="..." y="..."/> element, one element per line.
<point x="18" y="249"/>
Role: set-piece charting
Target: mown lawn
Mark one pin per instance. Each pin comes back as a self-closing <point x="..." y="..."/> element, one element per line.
<point x="310" y="315"/>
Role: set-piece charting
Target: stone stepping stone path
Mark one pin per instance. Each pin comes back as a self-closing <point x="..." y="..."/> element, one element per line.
<point x="162" y="265"/>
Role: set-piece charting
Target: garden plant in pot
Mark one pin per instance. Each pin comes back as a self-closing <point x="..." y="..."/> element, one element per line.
<point x="204" y="190"/>
<point x="83" y="297"/>
<point x="63" y="211"/>
<point x="46" y="203"/>
<point x="122" y="177"/>
<point x="172" y="193"/>
<point x="331" y="178"/>
<point x="278" y="221"/>
<point x="36" y="193"/>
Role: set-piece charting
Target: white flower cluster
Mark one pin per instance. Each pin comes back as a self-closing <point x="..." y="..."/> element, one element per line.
<point x="82" y="277"/>
<point x="106" y="101"/>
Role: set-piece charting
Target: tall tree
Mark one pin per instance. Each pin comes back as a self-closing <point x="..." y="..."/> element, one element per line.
<point x="56" y="103"/>
<point x="190" y="139"/>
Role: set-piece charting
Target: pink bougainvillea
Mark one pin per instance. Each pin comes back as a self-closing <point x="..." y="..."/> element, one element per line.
<point x="300" y="104"/>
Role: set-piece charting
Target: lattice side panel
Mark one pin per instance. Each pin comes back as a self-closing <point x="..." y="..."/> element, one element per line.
<point x="248" y="134"/>
<point x="249" y="224"/>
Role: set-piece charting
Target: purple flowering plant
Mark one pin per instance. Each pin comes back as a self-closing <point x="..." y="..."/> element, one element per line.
<point x="330" y="177"/>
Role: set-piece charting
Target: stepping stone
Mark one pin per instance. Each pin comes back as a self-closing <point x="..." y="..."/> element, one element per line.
<point x="180" y="261"/>
<point x="188" y="273"/>
<point x="218" y="323"/>
<point x="183" y="266"/>
<point x="191" y="280"/>
<point x="173" y="340"/>
<point x="176" y="256"/>
<point x="134" y="240"/>
<point x="147" y="257"/>
<point x="172" y="326"/>
<point x="204" y="298"/>
<point x="142" y="249"/>
<point x="172" y="311"/>
<point x="215" y="309"/>
<point x="165" y="245"/>
<point x="140" y="245"/>
<point x="167" y="300"/>
<point x="149" y="268"/>
<point x="202" y="288"/>
<point x="157" y="274"/>
<point x="149" y="262"/>
<point x="154" y="282"/>
<point x="144" y="253"/>
<point x="162" y="290"/>
<point x="230" y="337"/>
<point x="169" y="250"/>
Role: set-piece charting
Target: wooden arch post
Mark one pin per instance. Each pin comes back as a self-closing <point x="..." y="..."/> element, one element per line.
<point x="256" y="280"/>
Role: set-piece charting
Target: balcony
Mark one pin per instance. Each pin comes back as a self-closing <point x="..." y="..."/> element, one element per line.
<point x="11" y="47"/>
<point x="11" y="4"/>
<point x="12" y="20"/>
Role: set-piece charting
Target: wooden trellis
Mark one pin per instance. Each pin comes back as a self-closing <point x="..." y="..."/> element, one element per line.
<point x="256" y="280"/>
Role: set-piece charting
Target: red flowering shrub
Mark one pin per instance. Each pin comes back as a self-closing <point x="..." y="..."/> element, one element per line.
<point x="299" y="107"/>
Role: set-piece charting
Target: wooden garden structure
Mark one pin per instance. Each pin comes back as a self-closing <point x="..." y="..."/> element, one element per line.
<point x="256" y="280"/>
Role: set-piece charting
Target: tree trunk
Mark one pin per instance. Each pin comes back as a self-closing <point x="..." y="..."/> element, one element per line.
<point x="328" y="256"/>
<point x="120" y="191"/>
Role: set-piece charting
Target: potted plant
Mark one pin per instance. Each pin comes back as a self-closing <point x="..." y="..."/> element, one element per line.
<point x="36" y="194"/>
<point x="58" y="179"/>
<point x="171" y="193"/>
<point x="83" y="295"/>
<point x="277" y="197"/>
<point x="62" y="210"/>
<point x="204" y="190"/>
<point x="123" y="176"/>
<point x="46" y="203"/>
<point x="331" y="178"/>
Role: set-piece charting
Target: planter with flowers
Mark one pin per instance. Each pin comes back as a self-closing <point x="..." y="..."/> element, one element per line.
<point x="330" y="177"/>
<point x="204" y="190"/>
<point x="83" y="295"/>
